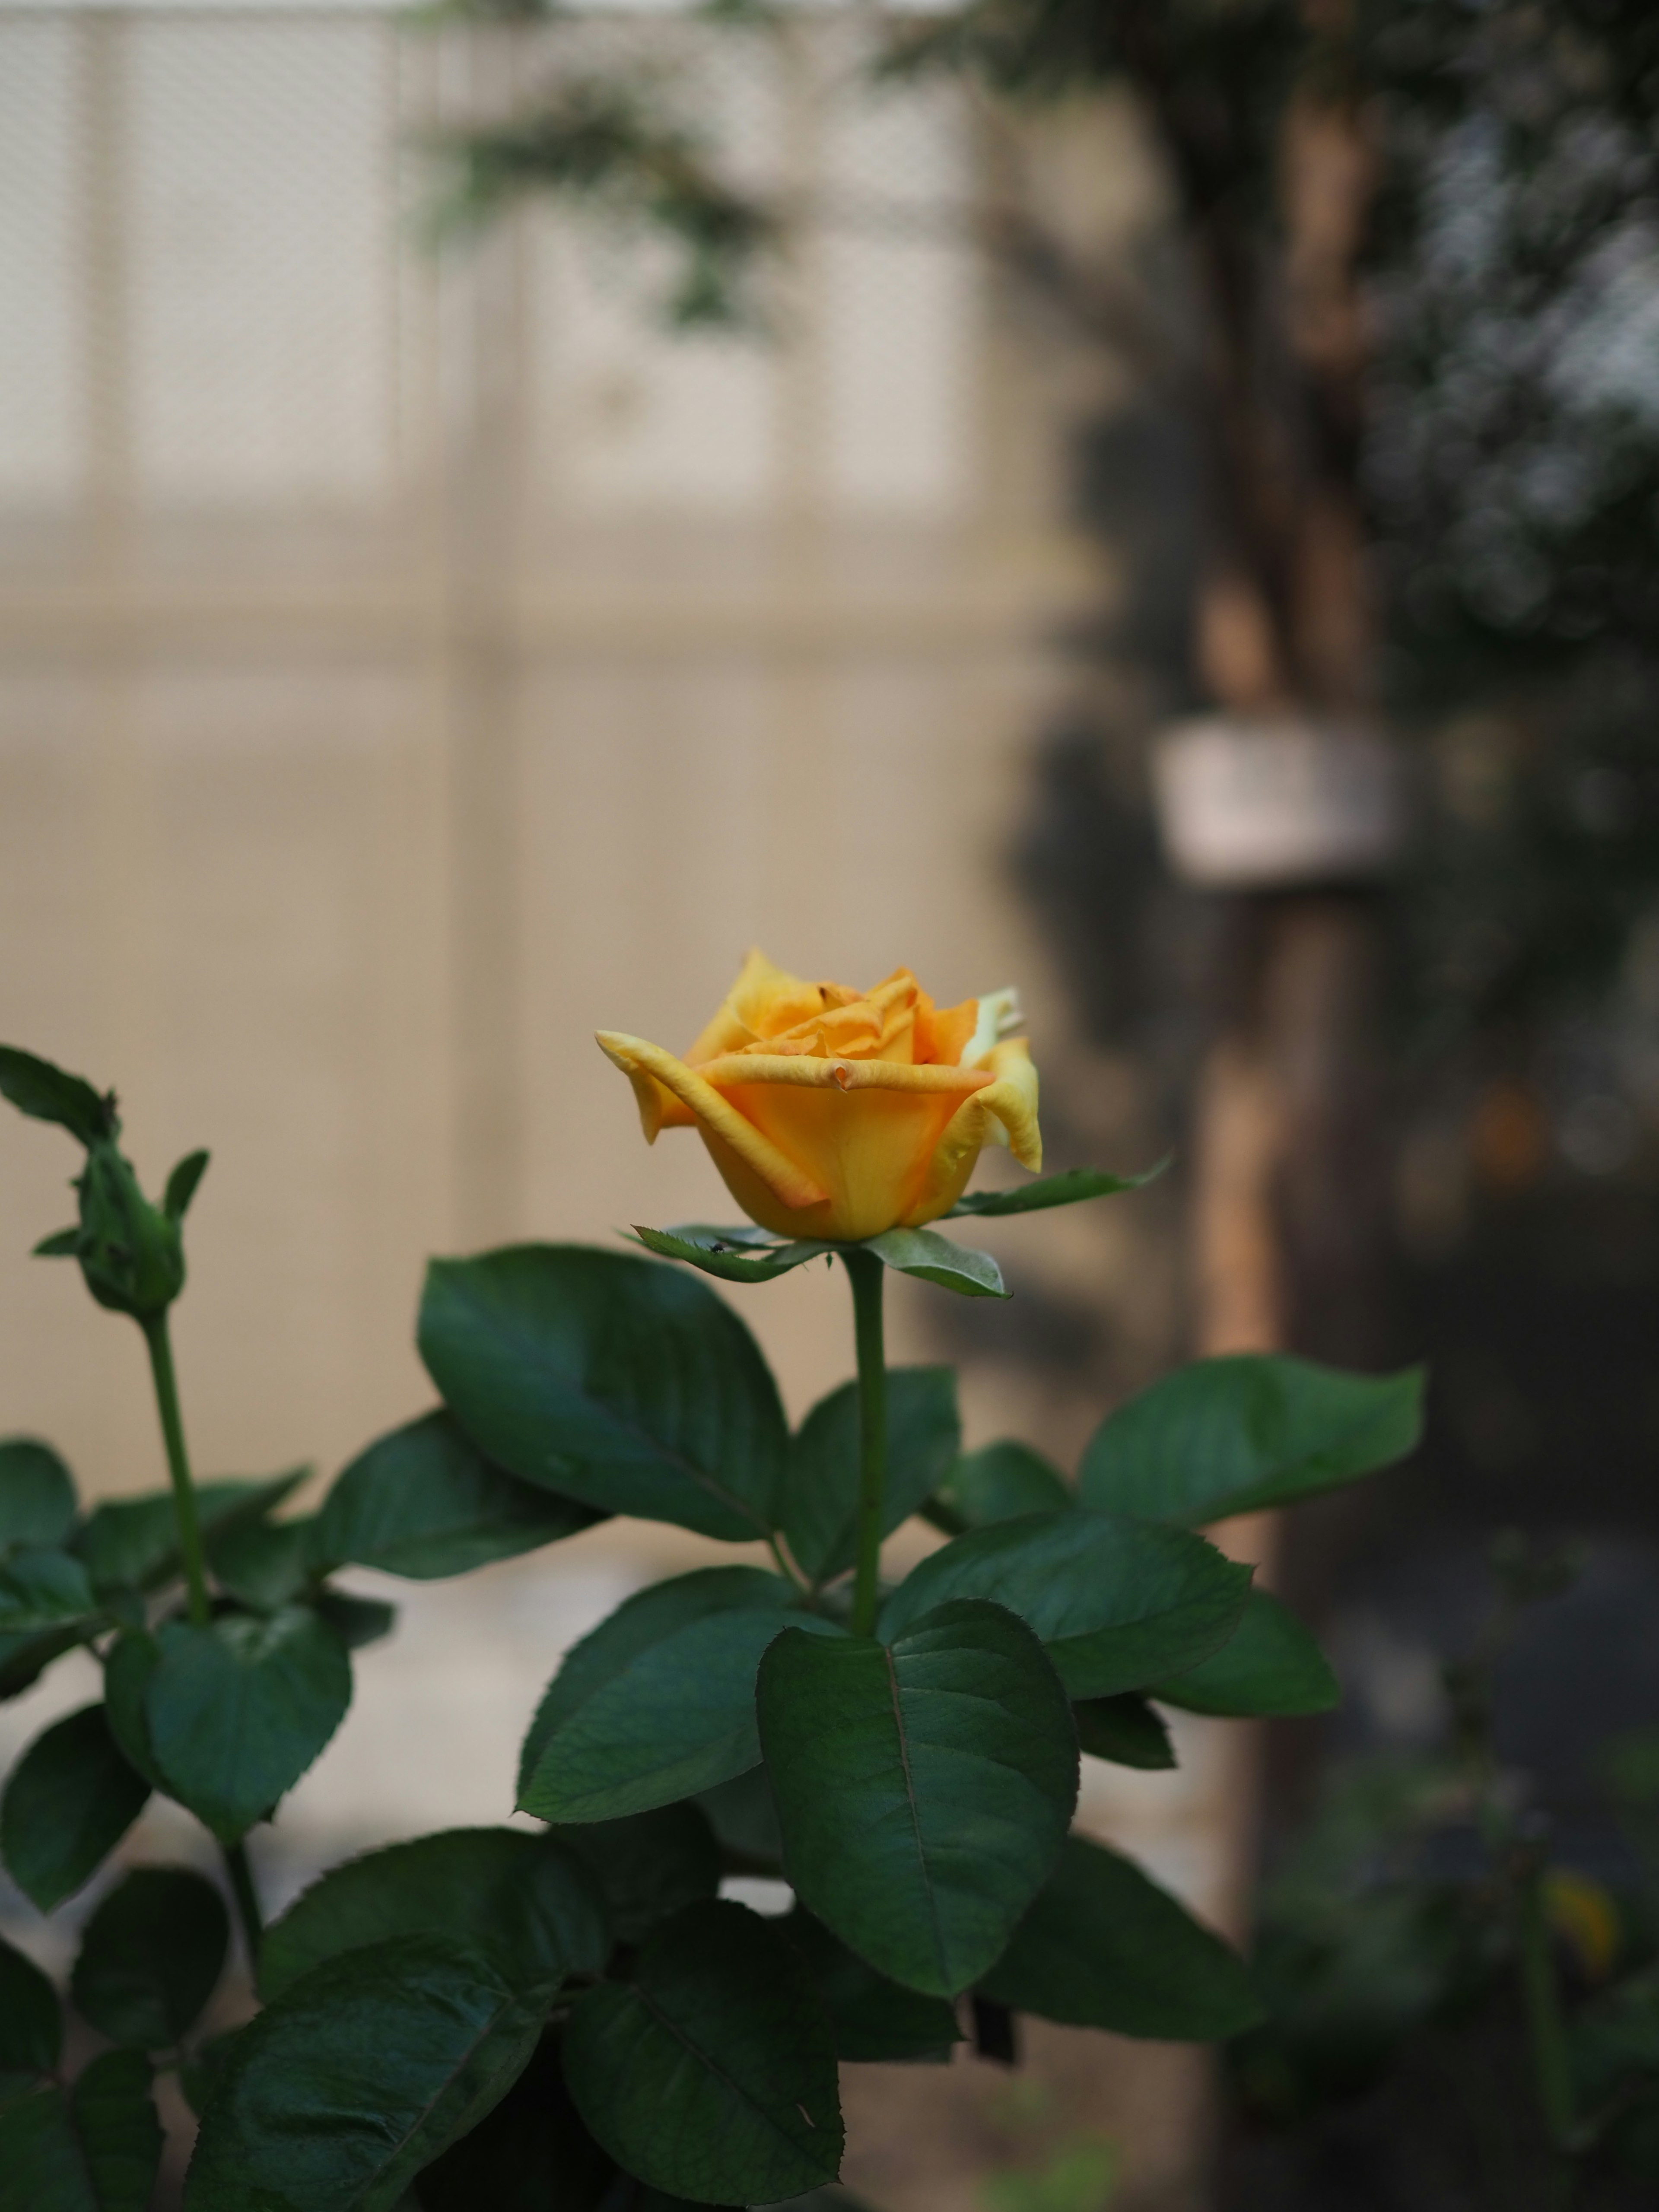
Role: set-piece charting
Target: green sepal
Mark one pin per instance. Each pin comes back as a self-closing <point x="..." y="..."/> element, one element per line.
<point x="754" y="1256"/>
<point x="182" y="1184"/>
<point x="62" y="1244"/>
<point x="935" y="1259"/>
<point x="47" y="1093"/>
<point x="131" y="1253"/>
<point x="1069" y="1188"/>
<point x="734" y="1255"/>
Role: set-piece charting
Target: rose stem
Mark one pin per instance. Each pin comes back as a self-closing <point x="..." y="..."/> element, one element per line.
<point x="184" y="1490"/>
<point x="866" y="1272"/>
<point x="194" y="1565"/>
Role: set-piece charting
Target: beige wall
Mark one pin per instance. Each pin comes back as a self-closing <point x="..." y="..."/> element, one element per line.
<point x="407" y="667"/>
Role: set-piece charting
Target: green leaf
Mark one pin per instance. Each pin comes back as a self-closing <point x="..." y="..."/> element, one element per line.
<point x="1252" y="1429"/>
<point x="1104" y="1947"/>
<point x="31" y="2027"/>
<point x="531" y="2154"/>
<point x="356" y="1620"/>
<point x="68" y="1802"/>
<point x="97" y="2150"/>
<point x="659" y="1702"/>
<point x="873" y="2019"/>
<point x="648" y="1867"/>
<point x="36" y="1495"/>
<point x="1271" y="1666"/>
<point x="132" y="1543"/>
<point x="523" y="1901"/>
<point x="262" y="1565"/>
<point x="724" y="1253"/>
<point x="935" y="1259"/>
<point x="42" y="1589"/>
<point x="1066" y="1189"/>
<point x="424" y="1502"/>
<point x="62" y="1244"/>
<point x="819" y="1508"/>
<point x="360" y="2074"/>
<point x="711" y="2073"/>
<point x="1124" y="1729"/>
<point x="182" y="1182"/>
<point x="1117" y="1603"/>
<point x="37" y="1088"/>
<point x="24" y="1657"/>
<point x="923" y="1790"/>
<point x="620" y="1382"/>
<point x="200" y="2072"/>
<point x="151" y="1956"/>
<point x="128" y="1665"/>
<point x="746" y="1822"/>
<point x="238" y="1711"/>
<point x="121" y="2138"/>
<point x="1001" y="1482"/>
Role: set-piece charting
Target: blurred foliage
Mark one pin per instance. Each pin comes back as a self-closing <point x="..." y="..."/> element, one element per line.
<point x="621" y="146"/>
<point x="1502" y="444"/>
<point x="1391" y="1956"/>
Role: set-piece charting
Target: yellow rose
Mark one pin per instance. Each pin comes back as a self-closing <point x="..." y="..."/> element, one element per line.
<point x="837" y="1114"/>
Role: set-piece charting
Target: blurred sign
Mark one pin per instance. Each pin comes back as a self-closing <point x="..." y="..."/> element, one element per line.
<point x="1269" y="804"/>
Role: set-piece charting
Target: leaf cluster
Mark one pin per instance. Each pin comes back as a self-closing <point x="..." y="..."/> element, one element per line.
<point x="617" y="150"/>
<point x="574" y="2013"/>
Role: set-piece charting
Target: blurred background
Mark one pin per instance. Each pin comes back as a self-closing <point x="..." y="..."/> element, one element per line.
<point x="1154" y="501"/>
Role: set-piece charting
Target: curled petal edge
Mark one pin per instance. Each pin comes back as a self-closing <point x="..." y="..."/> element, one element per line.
<point x="1005" y="1112"/>
<point x="653" y="1072"/>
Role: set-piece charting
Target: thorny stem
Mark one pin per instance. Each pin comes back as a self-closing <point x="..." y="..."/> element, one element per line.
<point x="866" y="1273"/>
